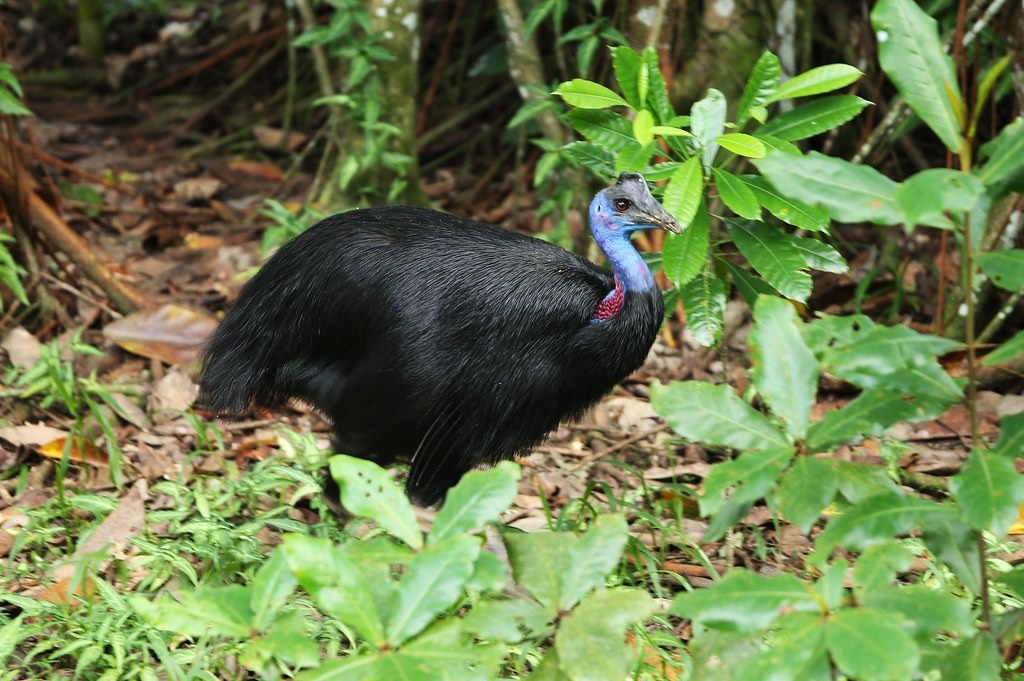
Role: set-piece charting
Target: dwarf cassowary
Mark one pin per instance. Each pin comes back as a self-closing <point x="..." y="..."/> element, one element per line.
<point x="426" y="335"/>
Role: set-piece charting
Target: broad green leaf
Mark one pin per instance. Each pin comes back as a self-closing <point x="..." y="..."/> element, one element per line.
<point x="1011" y="436"/>
<point x="337" y="584"/>
<point x="1013" y="579"/>
<point x="272" y="587"/>
<point x="432" y="583"/>
<point x="985" y="86"/>
<point x="772" y="254"/>
<point x="479" y="498"/>
<point x="847" y="192"/>
<point x="668" y="131"/>
<point x="744" y="601"/>
<point x="498" y="620"/>
<point x="743" y="480"/>
<point x="816" y="81"/>
<point x="819" y="255"/>
<point x="736" y="195"/>
<point x="742" y="145"/>
<point x="707" y="122"/>
<point x="490" y="574"/>
<point x="635" y="159"/>
<point x="989" y="490"/>
<point x="593" y="157"/>
<point x="784" y="369"/>
<point x="222" y="611"/>
<point x="715" y="415"/>
<point x="12" y="106"/>
<point x="955" y="543"/>
<point x="704" y="303"/>
<point x="627" y="65"/>
<point x="911" y="54"/>
<point x="871" y="645"/>
<point x="530" y="109"/>
<point x="878" y="565"/>
<point x="1014" y="347"/>
<point x="929" y="611"/>
<point x="795" y="651"/>
<point x="592" y="557"/>
<point x="763" y="80"/>
<point x="790" y="211"/>
<point x="872" y="521"/>
<point x="606" y="128"/>
<point x="974" y="659"/>
<point x="587" y="94"/>
<point x="684" y="255"/>
<point x="805" y="490"/>
<point x="749" y="285"/>
<point x="858" y="481"/>
<point x="926" y="197"/>
<point x="814" y="118"/>
<point x="773" y="143"/>
<point x="538" y="563"/>
<point x="642" y="124"/>
<point x="828" y="331"/>
<point x="1002" y="170"/>
<point x="367" y="490"/>
<point x="657" y="93"/>
<point x="684" y="191"/>
<point x="870" y="414"/>
<point x="590" y="640"/>
<point x="1005" y="268"/>
<point x="881" y="357"/>
<point x="289" y="639"/>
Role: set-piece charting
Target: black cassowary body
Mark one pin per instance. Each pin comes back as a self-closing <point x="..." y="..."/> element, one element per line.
<point x="451" y="341"/>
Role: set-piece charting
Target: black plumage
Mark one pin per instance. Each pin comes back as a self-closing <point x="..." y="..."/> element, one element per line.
<point x="423" y="334"/>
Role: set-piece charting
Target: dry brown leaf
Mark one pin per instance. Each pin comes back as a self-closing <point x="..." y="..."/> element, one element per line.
<point x="272" y="137"/>
<point x="174" y="392"/>
<point x="82" y="451"/>
<point x="22" y="348"/>
<point x="198" y="188"/>
<point x="202" y="242"/>
<point x="31" y="434"/>
<point x="172" y="334"/>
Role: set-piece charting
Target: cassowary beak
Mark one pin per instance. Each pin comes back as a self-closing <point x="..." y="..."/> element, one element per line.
<point x="664" y="220"/>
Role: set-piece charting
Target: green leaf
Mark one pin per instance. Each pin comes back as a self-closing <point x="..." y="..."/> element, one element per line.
<point x="805" y="490"/>
<point x="744" y="480"/>
<point x="684" y="255"/>
<point x="684" y="191"/>
<point x="790" y="211"/>
<point x="816" y="81"/>
<point x="819" y="255"/>
<point x="289" y="640"/>
<point x="587" y="94"/>
<point x="336" y="583"/>
<point x="911" y="54"/>
<point x="592" y="557"/>
<point x="530" y="110"/>
<point x="657" y="99"/>
<point x="974" y="659"/>
<point x="784" y="369"/>
<point x="1011" y="436"/>
<point x="538" y="563"/>
<point x="989" y="490"/>
<point x="668" y="131"/>
<point x="763" y="80"/>
<point x="870" y="414"/>
<point x="744" y="601"/>
<point x="715" y="415"/>
<point x="926" y="197"/>
<point x="955" y="543"/>
<point x="882" y="356"/>
<point x="635" y="159"/>
<point x="736" y="195"/>
<point x="590" y="641"/>
<point x="772" y="254"/>
<point x="642" y="124"/>
<point x="367" y="490"/>
<point x="878" y="565"/>
<point x="221" y="611"/>
<point x="748" y="285"/>
<point x="605" y="128"/>
<point x="814" y="118"/>
<point x="858" y="481"/>
<point x="1002" y="170"/>
<point x="743" y="145"/>
<point x="1005" y="268"/>
<point x="830" y="330"/>
<point x="627" y="65"/>
<point x="433" y="582"/>
<point x="704" y="303"/>
<point x="272" y="587"/>
<point x="795" y="652"/>
<point x="10" y="105"/>
<point x="707" y="122"/>
<point x="847" y="192"/>
<point x="599" y="160"/>
<point x="872" y="521"/>
<point x="1014" y="347"/>
<point x="479" y="498"/>
<point x="497" y="620"/>
<point x="928" y="610"/>
<point x="870" y="645"/>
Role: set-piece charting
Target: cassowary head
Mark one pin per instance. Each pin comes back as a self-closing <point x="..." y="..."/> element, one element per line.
<point x="627" y="206"/>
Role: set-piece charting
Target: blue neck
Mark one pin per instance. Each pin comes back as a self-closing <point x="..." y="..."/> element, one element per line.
<point x="613" y="239"/>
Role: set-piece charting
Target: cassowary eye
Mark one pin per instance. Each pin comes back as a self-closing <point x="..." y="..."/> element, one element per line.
<point x="622" y="205"/>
